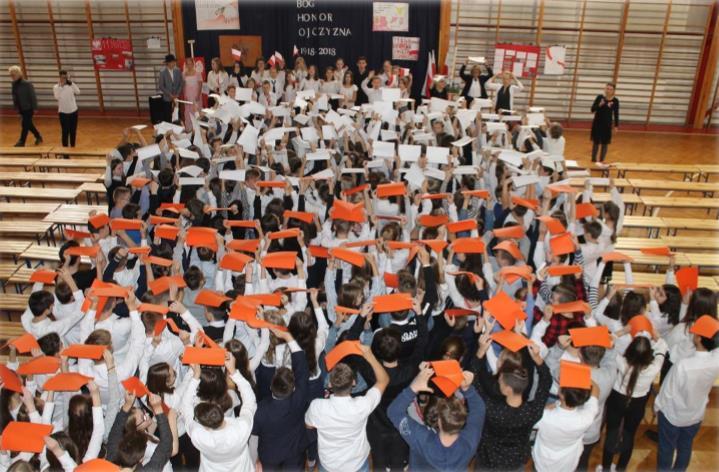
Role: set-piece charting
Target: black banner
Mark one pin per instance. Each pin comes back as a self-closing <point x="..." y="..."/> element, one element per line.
<point x="323" y="30"/>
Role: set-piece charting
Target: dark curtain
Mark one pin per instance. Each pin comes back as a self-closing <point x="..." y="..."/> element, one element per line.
<point x="278" y="24"/>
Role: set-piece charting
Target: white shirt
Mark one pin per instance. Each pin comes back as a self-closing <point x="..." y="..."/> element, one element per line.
<point x="681" y="344"/>
<point x="475" y="90"/>
<point x="603" y="376"/>
<point x="646" y="376"/>
<point x="65" y="96"/>
<point x="373" y="95"/>
<point x="225" y="448"/>
<point x="217" y="81"/>
<point x="684" y="394"/>
<point x="513" y="90"/>
<point x="341" y="424"/>
<point x="554" y="147"/>
<point x="559" y="437"/>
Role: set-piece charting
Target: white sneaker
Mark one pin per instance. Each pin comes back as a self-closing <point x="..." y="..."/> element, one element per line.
<point x="599" y="468"/>
<point x="613" y="468"/>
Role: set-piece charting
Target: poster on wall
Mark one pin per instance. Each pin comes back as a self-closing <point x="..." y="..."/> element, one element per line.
<point x="250" y="46"/>
<point x="521" y="60"/>
<point x="405" y="48"/>
<point x="112" y="54"/>
<point x="390" y="16"/>
<point x="217" y="15"/>
<point x="554" y="60"/>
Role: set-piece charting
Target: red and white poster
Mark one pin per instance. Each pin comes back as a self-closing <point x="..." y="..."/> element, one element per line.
<point x="112" y="54"/>
<point x="405" y="48"/>
<point x="519" y="59"/>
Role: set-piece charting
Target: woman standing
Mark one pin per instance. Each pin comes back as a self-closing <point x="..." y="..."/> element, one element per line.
<point x="65" y="91"/>
<point x="606" y="110"/>
<point x="217" y="80"/>
<point x="191" y="91"/>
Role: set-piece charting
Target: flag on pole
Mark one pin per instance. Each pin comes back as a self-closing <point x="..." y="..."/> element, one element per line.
<point x="403" y="71"/>
<point x="236" y="54"/>
<point x="429" y="76"/>
<point x="295" y="51"/>
<point x="271" y="61"/>
<point x="278" y="57"/>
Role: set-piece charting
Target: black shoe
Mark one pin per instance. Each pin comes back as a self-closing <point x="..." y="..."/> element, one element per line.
<point x="19" y="144"/>
<point x="38" y="141"/>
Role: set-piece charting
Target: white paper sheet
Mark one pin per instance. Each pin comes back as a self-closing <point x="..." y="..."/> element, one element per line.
<point x="248" y="139"/>
<point x="148" y="152"/>
<point x="437" y="155"/>
<point x="243" y="94"/>
<point x="382" y="149"/>
<point x="236" y="175"/>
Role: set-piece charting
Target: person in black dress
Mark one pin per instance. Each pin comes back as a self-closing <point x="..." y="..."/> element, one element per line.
<point x="606" y="110"/>
<point x="360" y="73"/>
<point x="474" y="81"/>
<point x="439" y="89"/>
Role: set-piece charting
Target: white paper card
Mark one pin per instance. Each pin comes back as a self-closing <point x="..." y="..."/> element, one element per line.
<point x="236" y="175"/>
<point x="248" y="139"/>
<point x="148" y="152"/>
<point x="318" y="155"/>
<point x="390" y="94"/>
<point x="415" y="177"/>
<point x="184" y="181"/>
<point x="309" y="133"/>
<point x="382" y="149"/>
<point x="511" y="157"/>
<point x="388" y="135"/>
<point x="465" y="170"/>
<point x="463" y="142"/>
<point x="188" y="154"/>
<point x="243" y="94"/>
<point x="193" y="171"/>
<point x="409" y="152"/>
<point x="434" y="173"/>
<point x="437" y="155"/>
<point x="328" y="132"/>
<point x="524" y="180"/>
<point x="324" y="174"/>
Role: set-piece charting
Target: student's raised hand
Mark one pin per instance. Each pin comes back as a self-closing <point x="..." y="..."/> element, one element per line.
<point x="548" y="313"/>
<point x="155" y="402"/>
<point x="478" y="325"/>
<point x="451" y="320"/>
<point x="286" y="336"/>
<point x="177" y="307"/>
<point x="534" y="353"/>
<point x="468" y="378"/>
<point x="108" y="358"/>
<point x="230" y="363"/>
<point x="54" y="446"/>
<point x="129" y="401"/>
<point x="421" y="381"/>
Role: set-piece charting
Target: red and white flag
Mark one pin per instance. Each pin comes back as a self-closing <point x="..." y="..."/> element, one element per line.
<point x="403" y="71"/>
<point x="236" y="54"/>
<point x="429" y="76"/>
<point x="278" y="57"/>
<point x="271" y="61"/>
<point x="295" y="51"/>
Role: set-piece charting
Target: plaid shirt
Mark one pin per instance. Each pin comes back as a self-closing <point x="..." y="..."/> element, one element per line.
<point x="559" y="325"/>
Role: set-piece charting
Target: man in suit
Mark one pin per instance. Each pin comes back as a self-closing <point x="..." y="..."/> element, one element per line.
<point x="25" y="102"/>
<point x="170" y="86"/>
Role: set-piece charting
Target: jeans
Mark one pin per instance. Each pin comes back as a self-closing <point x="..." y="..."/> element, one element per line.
<point x="27" y="125"/>
<point x="363" y="468"/>
<point x="68" y="125"/>
<point x="674" y="438"/>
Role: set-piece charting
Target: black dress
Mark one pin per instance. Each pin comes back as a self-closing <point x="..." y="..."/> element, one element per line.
<point x="603" y="116"/>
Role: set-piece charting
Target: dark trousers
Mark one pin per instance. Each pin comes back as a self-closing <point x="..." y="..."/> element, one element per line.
<point x="68" y="125"/>
<point x="674" y="439"/>
<point x="623" y="419"/>
<point x="602" y="154"/>
<point x="167" y="111"/>
<point x="295" y="463"/>
<point x="27" y="125"/>
<point x="188" y="459"/>
<point x="584" y="458"/>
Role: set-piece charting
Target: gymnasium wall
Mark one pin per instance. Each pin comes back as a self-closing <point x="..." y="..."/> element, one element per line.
<point x="70" y="25"/>
<point x="655" y="44"/>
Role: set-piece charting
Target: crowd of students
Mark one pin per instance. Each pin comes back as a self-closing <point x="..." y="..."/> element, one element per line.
<point x="351" y="283"/>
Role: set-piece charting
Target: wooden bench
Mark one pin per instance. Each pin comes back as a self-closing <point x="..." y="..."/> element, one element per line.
<point x="674" y="185"/>
<point x="631" y="200"/>
<point x="27" y="208"/>
<point x="79" y="152"/>
<point x="93" y="189"/>
<point x="36" y="252"/>
<point x="692" y="243"/>
<point x="13" y="247"/>
<point x="39" y="151"/>
<point x="679" y="202"/>
<point x="13" y="303"/>
<point x="657" y="261"/>
<point x="11" y="330"/>
<point x="652" y="223"/>
<point x="708" y="169"/>
<point x="624" y="243"/>
<point x="70" y="164"/>
<point x="24" y="162"/>
<point x="42" y="177"/>
<point x="7" y="270"/>
<point x="21" y="275"/>
<point x="579" y="182"/>
<point x="59" y="194"/>
<point x="659" y="278"/>
<point x="73" y="214"/>
<point x="699" y="224"/>
<point x="687" y="170"/>
<point x="710" y="261"/>
<point x="38" y="229"/>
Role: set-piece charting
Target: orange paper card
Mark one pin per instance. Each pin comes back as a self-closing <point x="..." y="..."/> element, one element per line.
<point x="585" y="210"/>
<point x="505" y="310"/>
<point x="391" y="280"/>
<point x="437" y="245"/>
<point x="614" y="256"/>
<point x="554" y="226"/>
<point x="510" y="247"/>
<point x="162" y="284"/>
<point x="435" y="196"/>
<point x="477" y="193"/>
<point x="234" y="261"/>
<point x="280" y="260"/>
<point x="464" y="225"/>
<point x="657" y="251"/>
<point x="162" y="220"/>
<point x="89" y="251"/>
<point x="135" y="386"/>
<point x="525" y="202"/>
<point x="203" y="356"/>
<point x="445" y="385"/>
<point x="352" y="257"/>
<point x="153" y="308"/>
<point x="468" y="246"/>
<point x="357" y="189"/>
<point x="593" y="336"/>
<point x="84" y="351"/>
<point x="124" y="224"/>
<point x="251" y="224"/>
<point x="460" y="312"/>
<point x="244" y="245"/>
<point x="112" y="291"/>
<point x="211" y="298"/>
<point x="287" y="233"/>
<point x="391" y="189"/>
<point x="11" y="381"/>
<point x="342" y="350"/>
<point x="575" y="375"/>
<point x="353" y="212"/>
<point x="21" y="436"/>
<point x="267" y="299"/>
<point x="271" y="184"/>
<point x="705" y="326"/>
<point x="640" y="323"/>
<point x="511" y="340"/>
<point x="24" y="343"/>
<point x="40" y="365"/>
<point x="98" y="465"/>
<point x="578" y="306"/>
<point x="139" y="182"/>
<point x="160" y="326"/>
<point x="99" y="220"/>
<point x="392" y="302"/>
<point x="140" y="251"/>
<point x="167" y="232"/>
<point x="559" y="270"/>
<point x="430" y="221"/>
<point x="66" y="382"/>
<point x="319" y="252"/>
<point x="559" y="188"/>
<point x="562" y="244"/>
<point x="159" y="261"/>
<point x="299" y="215"/>
<point x="202" y="237"/>
<point x="346" y="311"/>
<point x="74" y="234"/>
<point x="515" y="232"/>
<point x="687" y="279"/>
